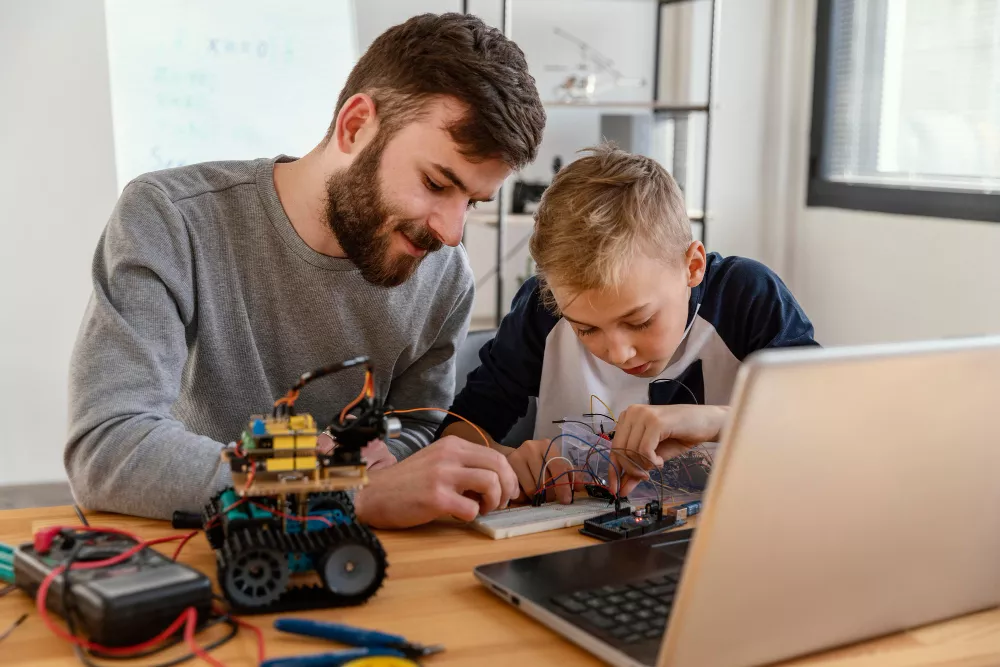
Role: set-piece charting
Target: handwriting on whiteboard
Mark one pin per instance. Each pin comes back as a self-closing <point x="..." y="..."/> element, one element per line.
<point x="230" y="79"/>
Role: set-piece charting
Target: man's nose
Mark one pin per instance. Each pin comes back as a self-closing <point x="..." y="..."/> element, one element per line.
<point x="448" y="221"/>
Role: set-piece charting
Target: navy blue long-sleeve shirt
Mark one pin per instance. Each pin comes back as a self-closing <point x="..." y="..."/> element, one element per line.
<point x="740" y="306"/>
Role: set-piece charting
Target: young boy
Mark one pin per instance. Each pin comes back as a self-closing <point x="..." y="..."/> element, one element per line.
<point x="623" y="297"/>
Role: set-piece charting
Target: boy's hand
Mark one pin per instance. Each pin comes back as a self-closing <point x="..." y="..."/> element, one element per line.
<point x="527" y="462"/>
<point x="646" y="435"/>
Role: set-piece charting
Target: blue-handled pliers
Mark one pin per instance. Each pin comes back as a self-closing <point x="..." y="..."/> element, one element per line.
<point x="370" y="643"/>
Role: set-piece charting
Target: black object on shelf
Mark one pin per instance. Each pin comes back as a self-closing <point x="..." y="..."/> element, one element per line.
<point x="531" y="192"/>
<point x="525" y="193"/>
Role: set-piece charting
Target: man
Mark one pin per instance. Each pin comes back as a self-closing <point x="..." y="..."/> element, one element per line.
<point x="216" y="285"/>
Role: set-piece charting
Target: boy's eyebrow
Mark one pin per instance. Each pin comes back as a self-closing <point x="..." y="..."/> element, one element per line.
<point x="620" y="317"/>
<point x="632" y="312"/>
<point x="457" y="182"/>
<point x="582" y="324"/>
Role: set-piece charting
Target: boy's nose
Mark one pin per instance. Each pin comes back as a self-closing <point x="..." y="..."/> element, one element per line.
<point x="619" y="350"/>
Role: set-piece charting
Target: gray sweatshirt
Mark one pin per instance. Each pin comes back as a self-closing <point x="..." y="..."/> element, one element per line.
<point x="207" y="306"/>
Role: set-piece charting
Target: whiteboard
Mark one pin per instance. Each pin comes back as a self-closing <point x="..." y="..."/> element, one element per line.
<point x="193" y="81"/>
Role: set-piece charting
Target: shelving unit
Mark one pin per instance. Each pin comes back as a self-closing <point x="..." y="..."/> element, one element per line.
<point x="659" y="109"/>
<point x="654" y="106"/>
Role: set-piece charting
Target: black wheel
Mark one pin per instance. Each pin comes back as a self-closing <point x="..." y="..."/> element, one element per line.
<point x="335" y="500"/>
<point x="256" y="577"/>
<point x="352" y="569"/>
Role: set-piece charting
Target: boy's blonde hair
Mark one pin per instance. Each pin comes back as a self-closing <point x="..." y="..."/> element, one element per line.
<point x="602" y="211"/>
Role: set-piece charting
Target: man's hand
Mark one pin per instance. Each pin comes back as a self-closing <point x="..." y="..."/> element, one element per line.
<point x="450" y="477"/>
<point x="528" y="461"/>
<point x="646" y="435"/>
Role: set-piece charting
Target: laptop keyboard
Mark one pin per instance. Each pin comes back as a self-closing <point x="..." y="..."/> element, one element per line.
<point x="629" y="613"/>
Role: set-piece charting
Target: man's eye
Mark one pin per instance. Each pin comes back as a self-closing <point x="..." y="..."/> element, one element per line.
<point x="432" y="186"/>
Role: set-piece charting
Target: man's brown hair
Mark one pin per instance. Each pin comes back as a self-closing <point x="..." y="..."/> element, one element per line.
<point x="602" y="211"/>
<point x="459" y="56"/>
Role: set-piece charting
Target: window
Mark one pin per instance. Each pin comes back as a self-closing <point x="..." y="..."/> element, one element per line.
<point x="906" y="107"/>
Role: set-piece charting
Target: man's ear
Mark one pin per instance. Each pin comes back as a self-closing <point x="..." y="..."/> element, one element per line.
<point x="696" y="263"/>
<point x="356" y="124"/>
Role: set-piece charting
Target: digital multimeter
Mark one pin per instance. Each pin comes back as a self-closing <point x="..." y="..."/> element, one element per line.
<point x="121" y="605"/>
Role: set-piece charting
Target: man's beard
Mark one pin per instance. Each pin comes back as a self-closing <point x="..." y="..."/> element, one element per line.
<point x="360" y="218"/>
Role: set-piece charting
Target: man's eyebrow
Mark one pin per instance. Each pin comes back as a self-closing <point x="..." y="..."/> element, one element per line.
<point x="452" y="176"/>
<point x="457" y="182"/>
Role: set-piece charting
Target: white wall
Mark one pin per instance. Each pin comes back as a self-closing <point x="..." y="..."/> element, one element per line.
<point x="738" y="144"/>
<point x="375" y="16"/>
<point x="863" y="277"/>
<point x="869" y="277"/>
<point x="57" y="185"/>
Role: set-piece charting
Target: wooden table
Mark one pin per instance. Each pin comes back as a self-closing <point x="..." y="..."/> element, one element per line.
<point x="432" y="597"/>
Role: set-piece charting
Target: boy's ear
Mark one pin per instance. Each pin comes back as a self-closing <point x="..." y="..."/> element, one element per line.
<point x="696" y="263"/>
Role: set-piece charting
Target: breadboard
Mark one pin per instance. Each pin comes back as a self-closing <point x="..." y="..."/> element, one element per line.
<point x="550" y="516"/>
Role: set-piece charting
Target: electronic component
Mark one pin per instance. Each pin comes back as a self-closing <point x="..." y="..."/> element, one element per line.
<point x="119" y="605"/>
<point x="685" y="510"/>
<point x="526" y="520"/>
<point x="600" y="492"/>
<point x="625" y="522"/>
<point x="589" y="446"/>
<point x="285" y="535"/>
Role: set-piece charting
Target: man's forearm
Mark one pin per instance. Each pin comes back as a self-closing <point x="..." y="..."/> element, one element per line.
<point x="414" y="437"/>
<point x="144" y="466"/>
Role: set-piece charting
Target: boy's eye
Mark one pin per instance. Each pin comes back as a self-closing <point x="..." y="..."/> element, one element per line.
<point x="432" y="186"/>
<point x="585" y="332"/>
<point x="641" y="325"/>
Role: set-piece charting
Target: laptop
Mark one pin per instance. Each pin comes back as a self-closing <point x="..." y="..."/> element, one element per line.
<point x="854" y="494"/>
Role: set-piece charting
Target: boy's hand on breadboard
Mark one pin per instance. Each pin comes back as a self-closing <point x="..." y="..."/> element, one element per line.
<point x="647" y="435"/>
<point x="528" y="461"/>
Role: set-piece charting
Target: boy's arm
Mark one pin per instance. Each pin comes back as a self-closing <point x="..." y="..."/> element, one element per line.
<point x="430" y="381"/>
<point x="469" y="433"/>
<point x="126" y="452"/>
<point x="496" y="394"/>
